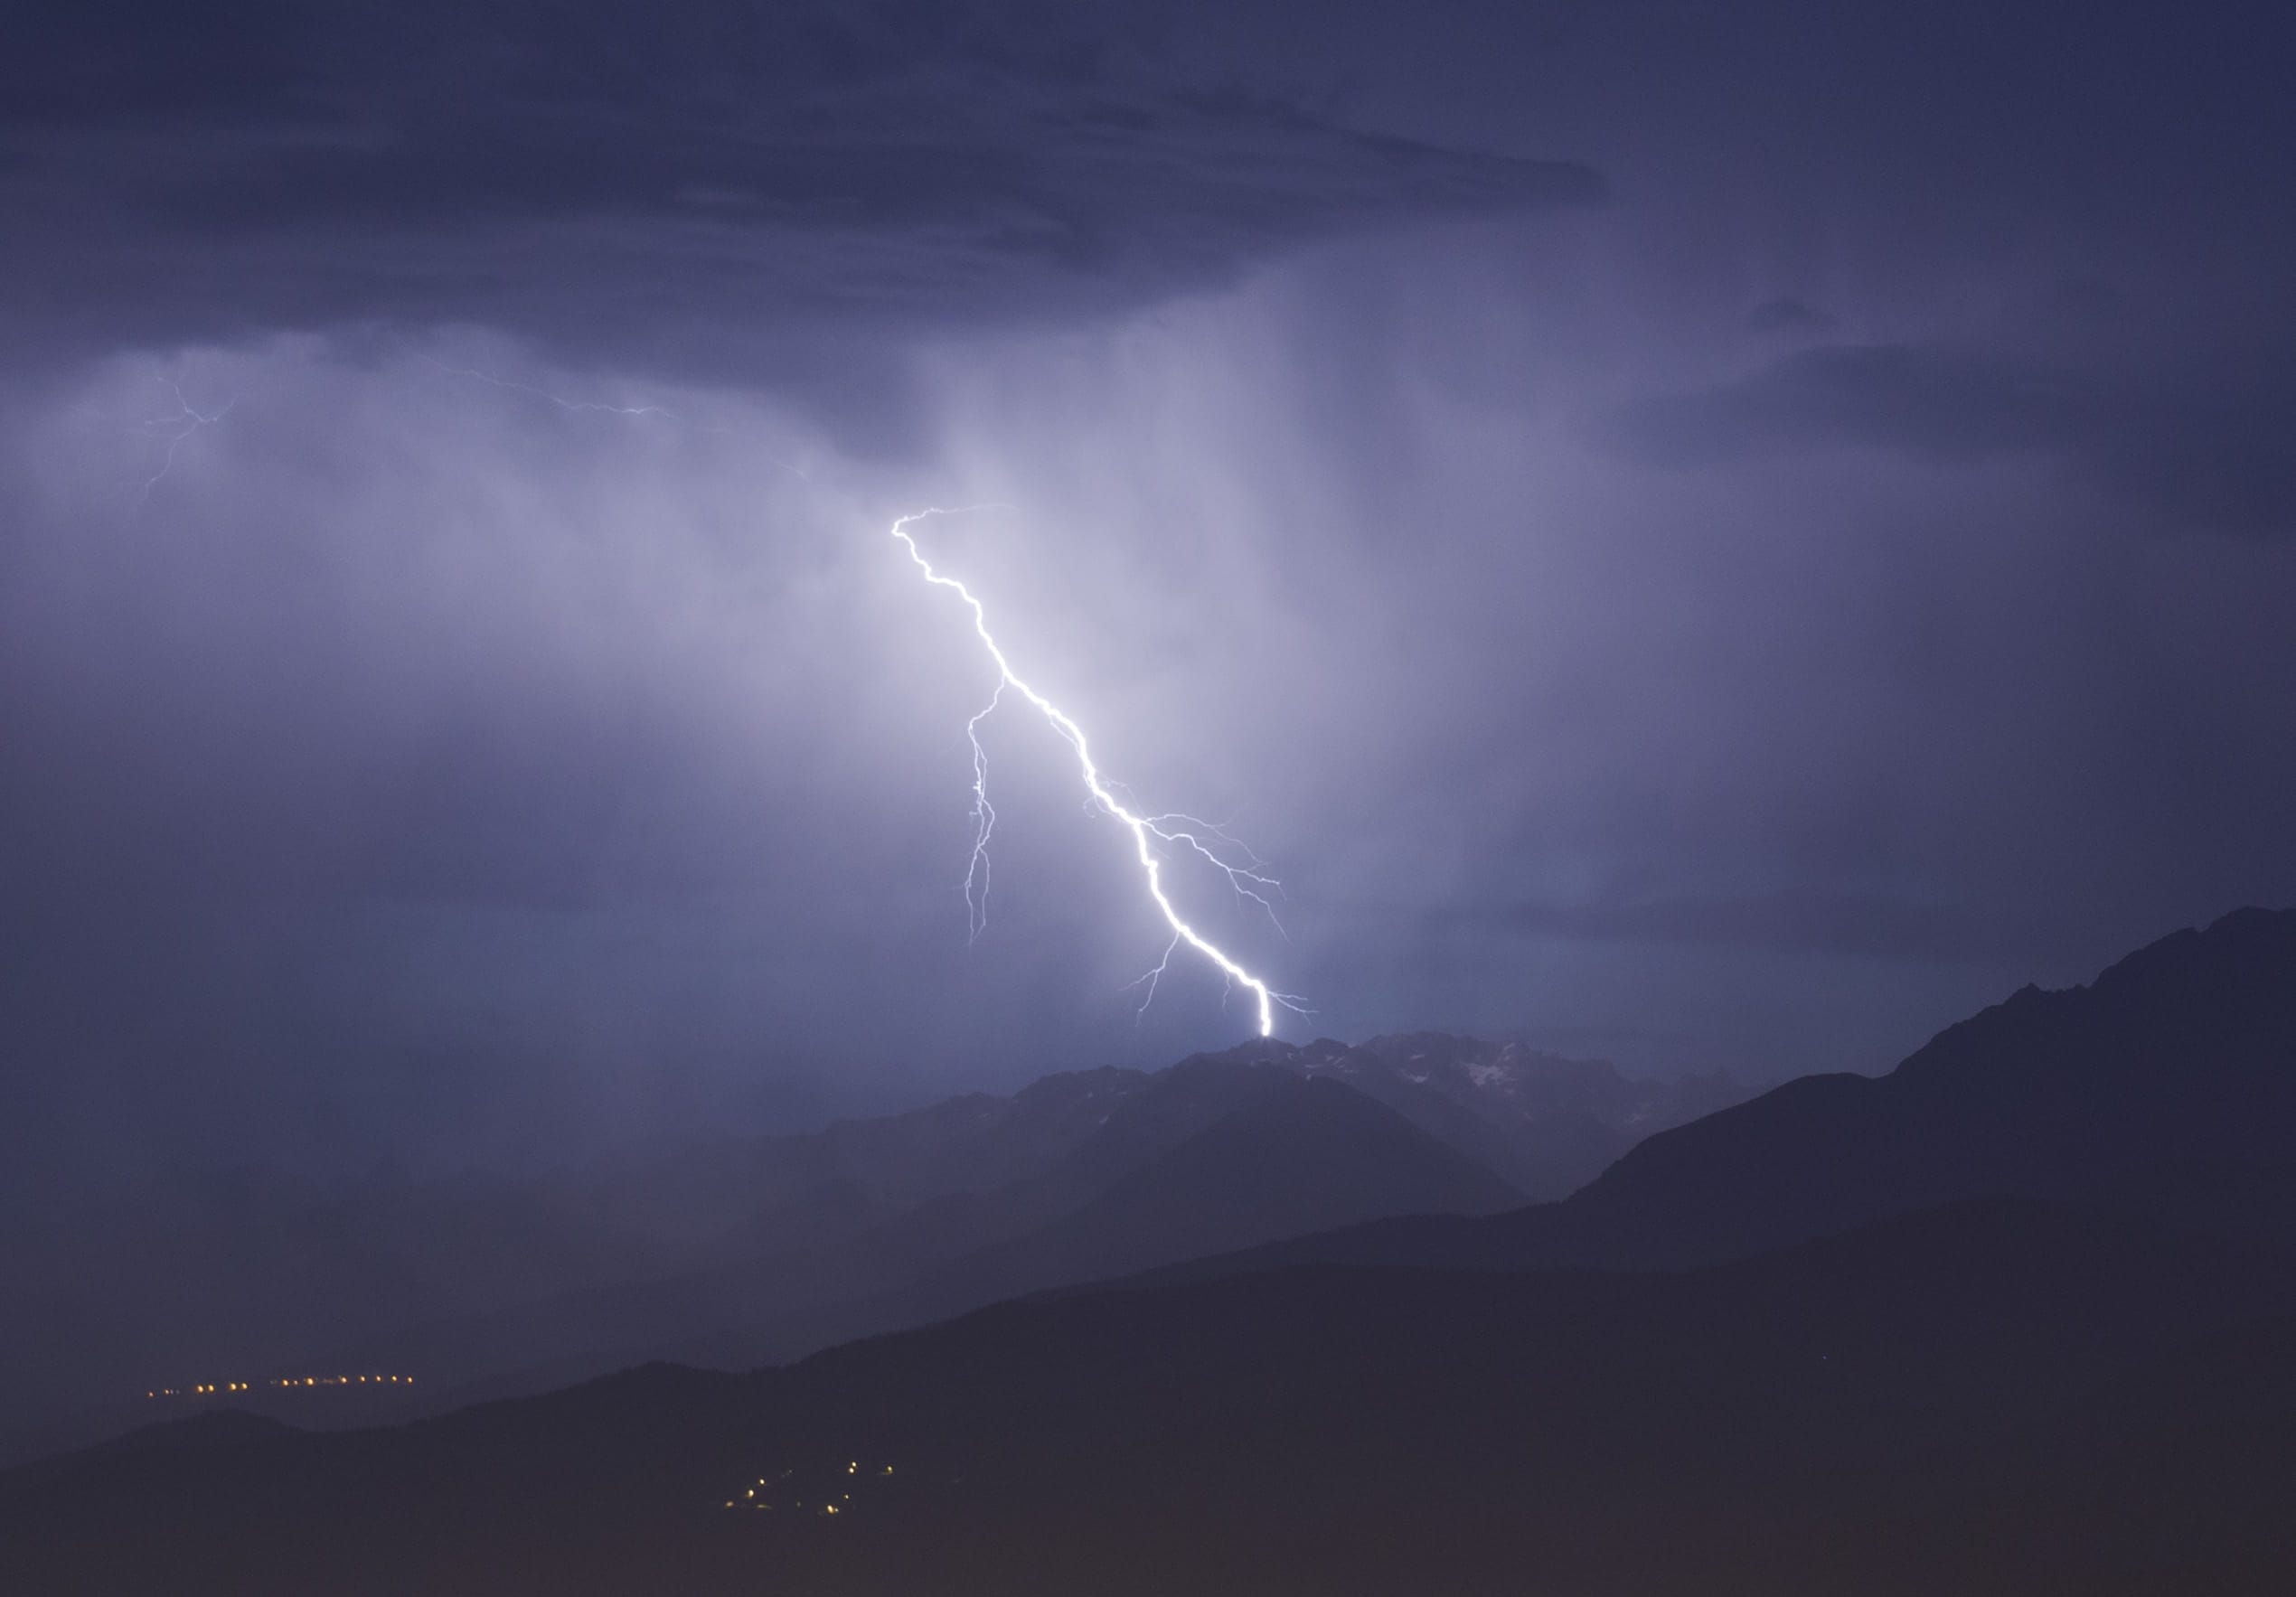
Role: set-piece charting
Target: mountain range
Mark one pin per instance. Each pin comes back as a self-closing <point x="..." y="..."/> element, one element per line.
<point x="763" y="1249"/>
<point x="2019" y="1317"/>
<point x="2166" y="1087"/>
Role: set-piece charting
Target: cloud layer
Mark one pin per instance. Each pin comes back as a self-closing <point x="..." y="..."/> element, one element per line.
<point x="2203" y="448"/>
<point x="685" y="191"/>
<point x="1747" y="608"/>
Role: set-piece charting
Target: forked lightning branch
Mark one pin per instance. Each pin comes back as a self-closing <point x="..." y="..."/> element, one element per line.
<point x="1150" y="834"/>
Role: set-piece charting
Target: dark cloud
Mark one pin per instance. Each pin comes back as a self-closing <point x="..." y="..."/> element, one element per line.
<point x="2198" y="448"/>
<point x="1936" y="401"/>
<point x="111" y="62"/>
<point x="1789" y="316"/>
<point x="658" y="185"/>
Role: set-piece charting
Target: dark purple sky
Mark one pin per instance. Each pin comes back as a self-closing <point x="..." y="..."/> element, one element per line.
<point x="1702" y="534"/>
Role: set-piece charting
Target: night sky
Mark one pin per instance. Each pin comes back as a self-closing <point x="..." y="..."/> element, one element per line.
<point x="1702" y="535"/>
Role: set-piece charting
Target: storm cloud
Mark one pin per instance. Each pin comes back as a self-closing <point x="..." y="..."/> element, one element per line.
<point x="2203" y="448"/>
<point x="1713" y="538"/>
<point x="690" y="188"/>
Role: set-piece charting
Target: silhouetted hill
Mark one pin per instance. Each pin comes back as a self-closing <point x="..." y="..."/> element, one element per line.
<point x="1212" y="1156"/>
<point x="252" y="1274"/>
<point x="2169" y="1080"/>
<point x="1140" y="1118"/>
<point x="1301" y="1152"/>
<point x="1544" y="1123"/>
<point x="2019" y="1318"/>
<point x="226" y="1428"/>
<point x="1298" y="1156"/>
<point x="1992" y="1396"/>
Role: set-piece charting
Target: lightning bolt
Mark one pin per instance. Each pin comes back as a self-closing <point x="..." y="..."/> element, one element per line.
<point x="1147" y="830"/>
<point x="187" y="420"/>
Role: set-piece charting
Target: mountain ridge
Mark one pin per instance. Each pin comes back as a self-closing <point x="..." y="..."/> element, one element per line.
<point x="2079" y="1093"/>
<point x="254" y="1275"/>
<point x="2084" y="1386"/>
